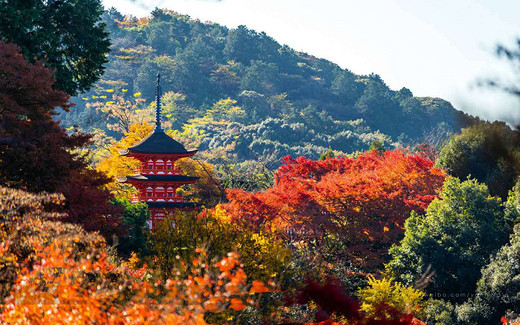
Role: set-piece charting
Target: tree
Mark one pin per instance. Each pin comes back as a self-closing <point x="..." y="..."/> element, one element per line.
<point x="135" y="219"/>
<point x="488" y="152"/>
<point x="498" y="288"/>
<point x="225" y="110"/>
<point x="175" y="109"/>
<point x="240" y="45"/>
<point x="329" y="153"/>
<point x="67" y="36"/>
<point x="124" y="113"/>
<point x="115" y="166"/>
<point x="364" y="200"/>
<point x="27" y="103"/>
<point x="37" y="154"/>
<point x="453" y="240"/>
<point x="179" y="237"/>
<point x="207" y="190"/>
<point x="54" y="273"/>
<point x="345" y="87"/>
<point x="386" y="290"/>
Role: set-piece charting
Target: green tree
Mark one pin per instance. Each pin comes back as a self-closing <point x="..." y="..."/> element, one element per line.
<point x="240" y="45"/>
<point x="453" y="240"/>
<point x="345" y="86"/>
<point x="67" y="36"/>
<point x="489" y="152"/>
<point x="176" y="110"/>
<point x="135" y="220"/>
<point x="498" y="290"/>
<point x="377" y="145"/>
<point x="329" y="153"/>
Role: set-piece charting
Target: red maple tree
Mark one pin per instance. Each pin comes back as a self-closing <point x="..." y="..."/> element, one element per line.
<point x="364" y="200"/>
<point x="37" y="154"/>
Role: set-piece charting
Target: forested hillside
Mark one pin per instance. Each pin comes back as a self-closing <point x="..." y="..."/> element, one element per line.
<point x="240" y="89"/>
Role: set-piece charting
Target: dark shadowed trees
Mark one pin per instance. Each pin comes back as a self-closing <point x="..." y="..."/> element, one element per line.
<point x="37" y="154"/>
<point x="66" y="35"/>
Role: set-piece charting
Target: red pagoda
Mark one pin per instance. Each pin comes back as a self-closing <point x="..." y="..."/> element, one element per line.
<point x="157" y="178"/>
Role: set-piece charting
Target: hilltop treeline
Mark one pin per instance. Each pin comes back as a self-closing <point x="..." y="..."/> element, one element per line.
<point x="288" y="102"/>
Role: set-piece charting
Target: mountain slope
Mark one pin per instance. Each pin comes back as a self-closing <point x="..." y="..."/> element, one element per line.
<point x="289" y="102"/>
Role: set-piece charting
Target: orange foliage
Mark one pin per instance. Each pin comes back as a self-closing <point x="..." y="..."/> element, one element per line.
<point x="56" y="273"/>
<point x="365" y="199"/>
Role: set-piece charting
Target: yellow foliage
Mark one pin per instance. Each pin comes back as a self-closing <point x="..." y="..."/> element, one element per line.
<point x="220" y="214"/>
<point x="225" y="109"/>
<point x="116" y="166"/>
<point x="207" y="190"/>
<point x="391" y="293"/>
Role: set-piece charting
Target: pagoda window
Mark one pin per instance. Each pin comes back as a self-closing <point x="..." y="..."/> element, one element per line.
<point x="159" y="165"/>
<point x="159" y="192"/>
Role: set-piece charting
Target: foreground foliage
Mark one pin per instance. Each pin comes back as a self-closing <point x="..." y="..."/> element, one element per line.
<point x="56" y="273"/>
<point x="37" y="154"/>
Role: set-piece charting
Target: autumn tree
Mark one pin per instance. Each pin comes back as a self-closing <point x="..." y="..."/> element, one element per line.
<point x="37" y="153"/>
<point x="27" y="103"/>
<point x="363" y="200"/>
<point x="122" y="112"/>
<point x="67" y="36"/>
<point x="54" y="273"/>
<point x="225" y="109"/>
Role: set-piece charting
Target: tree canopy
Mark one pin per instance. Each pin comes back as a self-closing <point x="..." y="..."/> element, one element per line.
<point x="488" y="152"/>
<point x="67" y="36"/>
<point x="453" y="240"/>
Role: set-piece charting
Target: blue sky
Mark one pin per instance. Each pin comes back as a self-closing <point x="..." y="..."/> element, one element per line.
<point x="437" y="48"/>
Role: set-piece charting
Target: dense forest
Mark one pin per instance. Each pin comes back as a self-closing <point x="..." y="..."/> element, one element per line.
<point x="323" y="197"/>
<point x="282" y="101"/>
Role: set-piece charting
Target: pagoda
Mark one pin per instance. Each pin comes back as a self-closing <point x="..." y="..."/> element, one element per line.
<point x="157" y="178"/>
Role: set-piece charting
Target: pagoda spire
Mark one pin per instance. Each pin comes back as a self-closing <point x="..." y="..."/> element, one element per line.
<point x="158" y="108"/>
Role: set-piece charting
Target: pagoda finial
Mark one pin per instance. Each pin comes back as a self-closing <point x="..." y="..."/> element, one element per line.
<point x="158" y="108"/>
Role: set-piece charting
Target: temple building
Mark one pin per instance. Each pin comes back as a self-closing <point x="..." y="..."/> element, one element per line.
<point x="157" y="178"/>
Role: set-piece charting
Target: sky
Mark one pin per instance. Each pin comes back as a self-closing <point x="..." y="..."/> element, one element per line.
<point x="436" y="48"/>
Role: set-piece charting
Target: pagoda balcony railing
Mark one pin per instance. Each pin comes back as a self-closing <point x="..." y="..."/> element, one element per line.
<point x="157" y="198"/>
<point x="155" y="171"/>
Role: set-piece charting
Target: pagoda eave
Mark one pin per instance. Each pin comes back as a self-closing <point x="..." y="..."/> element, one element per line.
<point x="166" y="205"/>
<point x="134" y="154"/>
<point x="138" y="181"/>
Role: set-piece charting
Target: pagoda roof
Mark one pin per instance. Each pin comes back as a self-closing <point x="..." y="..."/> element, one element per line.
<point x="158" y="142"/>
<point x="171" y="204"/>
<point x="159" y="178"/>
